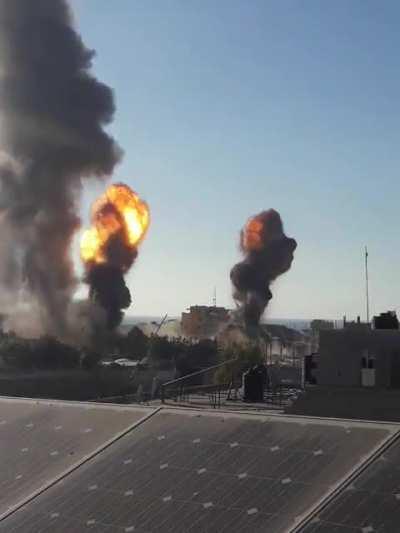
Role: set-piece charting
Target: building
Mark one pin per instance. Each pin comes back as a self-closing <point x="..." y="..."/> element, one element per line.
<point x="279" y="344"/>
<point x="202" y="321"/>
<point x="316" y="326"/>
<point x="285" y="345"/>
<point x="386" y="320"/>
<point x="359" y="356"/>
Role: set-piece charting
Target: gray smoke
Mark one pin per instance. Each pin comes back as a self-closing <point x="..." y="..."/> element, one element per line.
<point x="52" y="114"/>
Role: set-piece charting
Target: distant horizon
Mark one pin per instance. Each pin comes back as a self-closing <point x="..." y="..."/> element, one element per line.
<point x="263" y="320"/>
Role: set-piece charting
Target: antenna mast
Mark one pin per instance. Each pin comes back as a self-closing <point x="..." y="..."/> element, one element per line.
<point x="367" y="283"/>
<point x="215" y="297"/>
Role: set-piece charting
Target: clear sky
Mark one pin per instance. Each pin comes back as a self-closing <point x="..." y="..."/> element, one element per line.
<point x="228" y="107"/>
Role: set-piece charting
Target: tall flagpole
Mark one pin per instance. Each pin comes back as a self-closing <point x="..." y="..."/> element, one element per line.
<point x="367" y="283"/>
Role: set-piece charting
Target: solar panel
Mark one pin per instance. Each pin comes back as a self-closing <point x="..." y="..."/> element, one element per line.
<point x="39" y="440"/>
<point x="370" y="504"/>
<point x="189" y="471"/>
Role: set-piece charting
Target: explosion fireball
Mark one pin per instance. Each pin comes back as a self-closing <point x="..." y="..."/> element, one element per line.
<point x="268" y="254"/>
<point x="119" y="212"/>
<point x="120" y="220"/>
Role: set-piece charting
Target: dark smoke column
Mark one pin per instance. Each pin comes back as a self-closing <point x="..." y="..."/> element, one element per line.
<point x="268" y="254"/>
<point x="52" y="114"/>
<point x="119" y="223"/>
<point x="109" y="290"/>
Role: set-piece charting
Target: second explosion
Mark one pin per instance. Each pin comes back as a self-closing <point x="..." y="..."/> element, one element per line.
<point x="120" y="220"/>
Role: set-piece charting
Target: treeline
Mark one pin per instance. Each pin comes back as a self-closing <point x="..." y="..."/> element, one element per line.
<point x="164" y="352"/>
<point x="45" y="353"/>
<point x="188" y="356"/>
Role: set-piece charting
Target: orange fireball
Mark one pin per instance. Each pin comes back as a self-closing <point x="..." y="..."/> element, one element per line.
<point x="252" y="235"/>
<point x="261" y="229"/>
<point x="118" y="212"/>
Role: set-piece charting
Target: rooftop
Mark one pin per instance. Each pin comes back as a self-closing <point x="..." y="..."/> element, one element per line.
<point x="174" y="469"/>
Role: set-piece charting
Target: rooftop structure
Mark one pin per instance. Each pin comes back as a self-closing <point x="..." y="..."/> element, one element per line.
<point x="359" y="356"/>
<point x="386" y="320"/>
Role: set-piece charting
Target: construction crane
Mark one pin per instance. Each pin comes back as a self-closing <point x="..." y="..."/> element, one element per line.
<point x="159" y="326"/>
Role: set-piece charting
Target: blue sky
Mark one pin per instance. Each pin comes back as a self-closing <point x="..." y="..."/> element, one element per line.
<point x="227" y="108"/>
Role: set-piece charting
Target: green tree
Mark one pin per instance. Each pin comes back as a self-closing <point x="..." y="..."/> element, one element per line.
<point x="138" y="342"/>
<point x="135" y="345"/>
<point x="162" y="351"/>
<point x="197" y="356"/>
<point x="244" y="357"/>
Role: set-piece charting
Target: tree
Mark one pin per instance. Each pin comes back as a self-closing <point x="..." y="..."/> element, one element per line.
<point x="162" y="351"/>
<point x="197" y="356"/>
<point x="137" y="343"/>
<point x="44" y="353"/>
<point x="90" y="359"/>
<point x="49" y="353"/>
<point x="17" y="353"/>
<point x="317" y="325"/>
<point x="245" y="358"/>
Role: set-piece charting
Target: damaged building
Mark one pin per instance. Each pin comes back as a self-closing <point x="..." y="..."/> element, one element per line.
<point x="203" y="322"/>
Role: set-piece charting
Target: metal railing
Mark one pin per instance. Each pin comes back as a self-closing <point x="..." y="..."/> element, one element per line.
<point x="200" y="384"/>
<point x="212" y="394"/>
<point x="201" y="387"/>
<point x="280" y="395"/>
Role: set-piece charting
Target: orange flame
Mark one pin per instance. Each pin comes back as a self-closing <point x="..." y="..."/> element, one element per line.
<point x="118" y="210"/>
<point x="261" y="229"/>
<point x="252" y="238"/>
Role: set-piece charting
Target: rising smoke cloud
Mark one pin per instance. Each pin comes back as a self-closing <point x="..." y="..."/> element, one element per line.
<point x="268" y="254"/>
<point x="120" y="220"/>
<point x="52" y="114"/>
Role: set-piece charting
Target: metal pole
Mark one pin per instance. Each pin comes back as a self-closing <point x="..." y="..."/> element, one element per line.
<point x="367" y="283"/>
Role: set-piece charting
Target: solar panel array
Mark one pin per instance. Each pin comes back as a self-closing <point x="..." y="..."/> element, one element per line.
<point x="40" y="440"/>
<point x="189" y="471"/>
<point x="369" y="504"/>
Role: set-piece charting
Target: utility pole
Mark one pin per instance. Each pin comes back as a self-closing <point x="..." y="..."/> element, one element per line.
<point x="367" y="283"/>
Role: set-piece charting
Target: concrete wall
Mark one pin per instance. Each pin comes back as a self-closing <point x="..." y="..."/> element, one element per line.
<point x="341" y="353"/>
<point x="348" y="402"/>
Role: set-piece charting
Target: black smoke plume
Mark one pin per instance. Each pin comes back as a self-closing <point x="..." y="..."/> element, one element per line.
<point x="52" y="114"/>
<point x="268" y="254"/>
<point x="106" y="282"/>
<point x="109" y="290"/>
